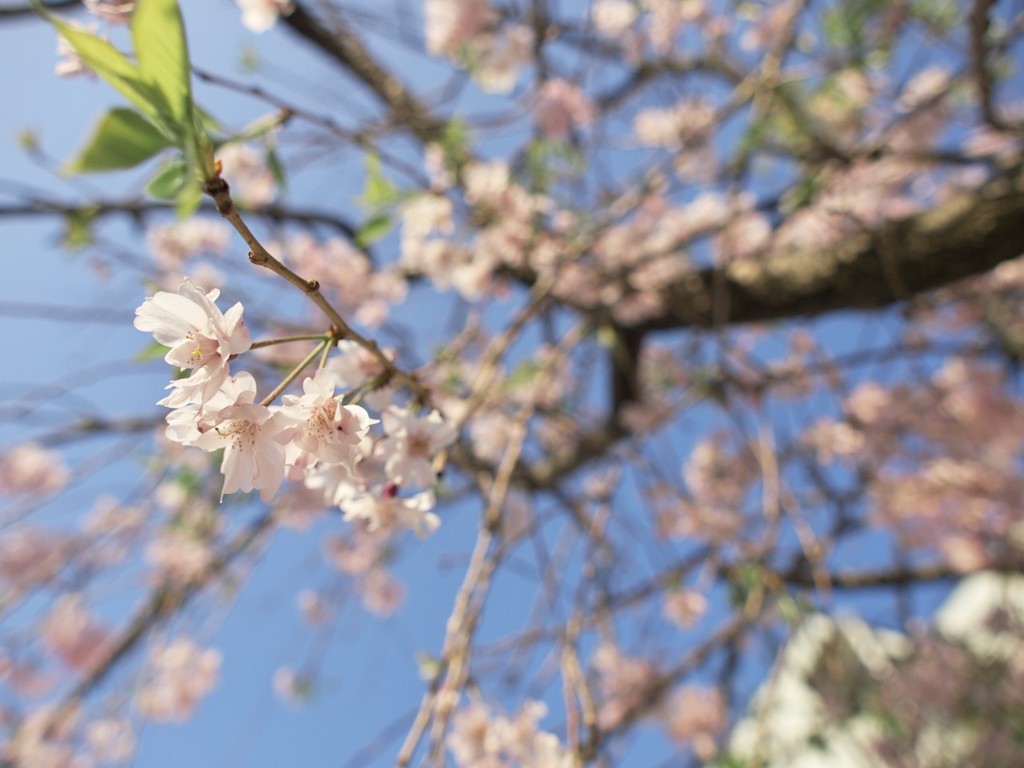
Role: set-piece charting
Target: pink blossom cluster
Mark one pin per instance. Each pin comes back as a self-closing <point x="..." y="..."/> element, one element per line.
<point x="353" y="283"/>
<point x="430" y="243"/>
<point x="692" y="715"/>
<point x="479" y="739"/>
<point x="179" y="675"/>
<point x="50" y="737"/>
<point x="316" y="438"/>
<point x="363" y="557"/>
<point x="114" y="11"/>
<point x="252" y="182"/>
<point x="470" y="32"/>
<point x="32" y="470"/>
<point x="942" y="460"/>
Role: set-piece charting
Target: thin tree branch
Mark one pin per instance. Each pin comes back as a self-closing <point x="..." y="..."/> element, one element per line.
<point x="345" y="47"/>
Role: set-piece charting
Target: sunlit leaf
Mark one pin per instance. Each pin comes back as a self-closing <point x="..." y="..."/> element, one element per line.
<point x="375" y="228"/>
<point x="160" y="47"/>
<point x="276" y="168"/>
<point x="122" y="139"/>
<point x="78" y="230"/>
<point x="167" y="182"/>
<point x="378" y="192"/>
<point x="112" y="66"/>
<point x="189" y="197"/>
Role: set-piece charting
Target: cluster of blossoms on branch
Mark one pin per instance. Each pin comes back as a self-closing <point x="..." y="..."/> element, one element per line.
<point x="320" y="438"/>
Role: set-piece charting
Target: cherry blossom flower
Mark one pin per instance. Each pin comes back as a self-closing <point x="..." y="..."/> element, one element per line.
<point x="30" y="556"/>
<point x="667" y="18"/>
<point x="252" y="183"/>
<point x="113" y="530"/>
<point x="490" y="434"/>
<point x="771" y="22"/>
<point x="114" y="11"/>
<point x="925" y="86"/>
<point x="69" y="63"/>
<point x="354" y="365"/>
<point x="357" y="554"/>
<point x="694" y="715"/>
<point x="383" y="509"/>
<point x="73" y="635"/>
<point x="411" y="443"/>
<point x="313" y="607"/>
<point x="30" y="469"/>
<point x="260" y="15"/>
<point x="472" y="741"/>
<point x="173" y="245"/>
<point x="684" y="607"/>
<point x="717" y="479"/>
<point x="253" y="446"/>
<point x="500" y="61"/>
<point x="480" y="740"/>
<point x="323" y="428"/>
<point x="673" y="127"/>
<point x="334" y="482"/>
<point x="834" y="439"/>
<point x="451" y="24"/>
<point x="380" y="593"/>
<point x="291" y="688"/>
<point x="200" y="336"/>
<point x="178" y="557"/>
<point x="23" y="675"/>
<point x="561" y="105"/>
<point x="110" y="740"/>
<point x="44" y="740"/>
<point x="625" y="683"/>
<point x="612" y="18"/>
<point x="180" y="674"/>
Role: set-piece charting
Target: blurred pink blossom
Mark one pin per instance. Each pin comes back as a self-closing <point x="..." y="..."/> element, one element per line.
<point x="560" y="107"/>
<point x="178" y="676"/>
<point x="30" y="469"/>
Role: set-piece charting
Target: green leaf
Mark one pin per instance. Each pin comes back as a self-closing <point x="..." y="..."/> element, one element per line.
<point x="160" y="85"/>
<point x="167" y="183"/>
<point x="112" y="66"/>
<point x="189" y="197"/>
<point x="276" y="168"/>
<point x="174" y="182"/>
<point x="455" y="144"/>
<point x="161" y="47"/>
<point x="374" y="229"/>
<point x="378" y="192"/>
<point x="78" y="229"/>
<point x="158" y="33"/>
<point x="122" y="139"/>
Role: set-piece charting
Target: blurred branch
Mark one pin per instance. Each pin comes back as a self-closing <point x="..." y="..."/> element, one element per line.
<point x="17" y="11"/>
<point x="968" y="234"/>
<point x="891" y="577"/>
<point x="979" y="23"/>
<point x="345" y="47"/>
<point x="139" y="209"/>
